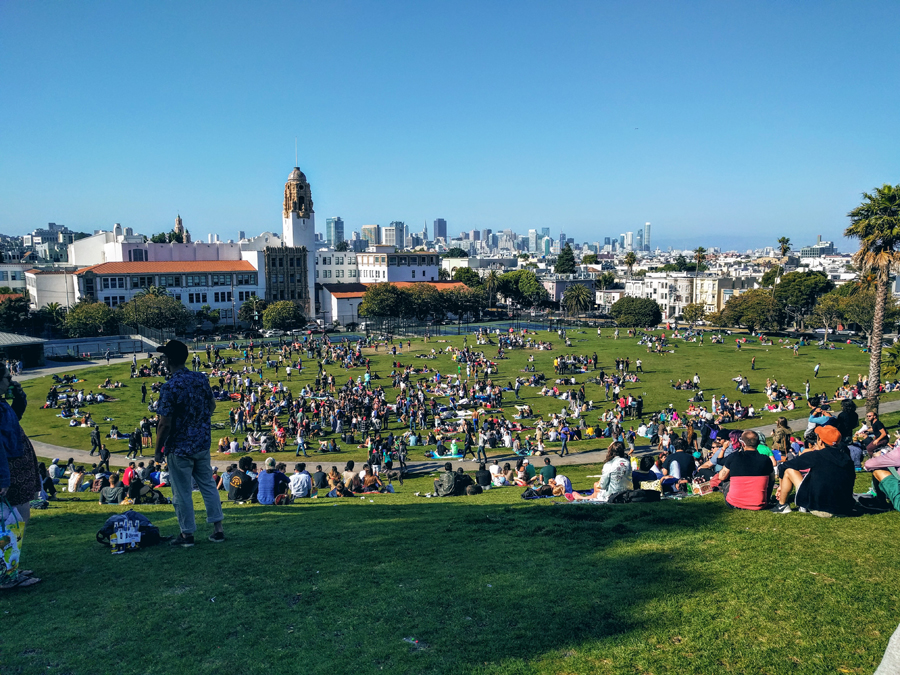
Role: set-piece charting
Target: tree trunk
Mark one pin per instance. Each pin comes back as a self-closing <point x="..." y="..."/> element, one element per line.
<point x="875" y="344"/>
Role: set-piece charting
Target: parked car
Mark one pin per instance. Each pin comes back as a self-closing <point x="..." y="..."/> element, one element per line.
<point x="275" y="332"/>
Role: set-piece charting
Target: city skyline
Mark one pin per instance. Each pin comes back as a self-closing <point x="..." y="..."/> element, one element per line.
<point x="722" y="125"/>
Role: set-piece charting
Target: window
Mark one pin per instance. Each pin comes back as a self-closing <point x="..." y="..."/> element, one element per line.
<point x="339" y="260"/>
<point x="105" y="283"/>
<point x="351" y="260"/>
<point x="413" y="274"/>
<point x="245" y="279"/>
<point x="169" y="280"/>
<point x="281" y="262"/>
<point x="326" y="260"/>
<point x="317" y="274"/>
<point x="393" y="261"/>
<point x="4" y="275"/>
<point x="290" y="262"/>
<point x="221" y="279"/>
<point x="195" y="280"/>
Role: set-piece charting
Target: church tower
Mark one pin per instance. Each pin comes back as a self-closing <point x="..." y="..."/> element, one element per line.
<point x="299" y="232"/>
<point x="179" y="226"/>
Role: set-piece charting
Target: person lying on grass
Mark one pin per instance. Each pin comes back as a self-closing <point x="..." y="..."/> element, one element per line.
<point x="827" y="487"/>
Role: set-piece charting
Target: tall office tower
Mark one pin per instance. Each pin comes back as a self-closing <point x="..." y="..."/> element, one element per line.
<point x="425" y="231"/>
<point x="464" y="235"/>
<point x="545" y="231"/>
<point x="562" y="241"/>
<point x="475" y="235"/>
<point x="298" y="224"/>
<point x="334" y="231"/>
<point x="532" y="240"/>
<point x="372" y="234"/>
<point x="606" y="241"/>
<point x="621" y="241"/>
<point x="400" y="231"/>
<point x="486" y="235"/>
<point x="390" y="235"/>
<point x="629" y="241"/>
<point x="647" y="236"/>
<point x="440" y="229"/>
<point x="545" y="245"/>
<point x="639" y="240"/>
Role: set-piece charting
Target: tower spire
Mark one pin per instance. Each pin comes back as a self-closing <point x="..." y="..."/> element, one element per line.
<point x="296" y="159"/>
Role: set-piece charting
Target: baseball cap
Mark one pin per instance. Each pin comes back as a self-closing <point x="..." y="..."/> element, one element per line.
<point x="176" y="350"/>
<point x="270" y="461"/>
<point x="829" y="434"/>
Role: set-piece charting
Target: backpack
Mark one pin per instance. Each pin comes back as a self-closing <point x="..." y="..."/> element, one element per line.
<point x="530" y="493"/>
<point x="635" y="496"/>
<point x="474" y="490"/>
<point x="99" y="484"/>
<point x="149" y="532"/>
<point x="155" y="497"/>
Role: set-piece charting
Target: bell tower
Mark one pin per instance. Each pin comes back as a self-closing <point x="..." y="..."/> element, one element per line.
<point x="299" y="230"/>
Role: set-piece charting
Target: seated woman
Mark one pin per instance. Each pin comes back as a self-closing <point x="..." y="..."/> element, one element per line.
<point x="333" y="477"/>
<point x="340" y="490"/>
<point x="224" y="444"/>
<point x="615" y="477"/>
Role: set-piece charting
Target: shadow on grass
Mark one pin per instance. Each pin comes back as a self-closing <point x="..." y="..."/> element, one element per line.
<point x="483" y="588"/>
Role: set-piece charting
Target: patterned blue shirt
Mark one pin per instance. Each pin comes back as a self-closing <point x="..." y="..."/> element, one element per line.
<point x="188" y="401"/>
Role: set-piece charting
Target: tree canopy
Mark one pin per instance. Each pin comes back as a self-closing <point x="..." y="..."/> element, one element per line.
<point x="342" y="246"/>
<point x="693" y="312"/>
<point x="162" y="312"/>
<point x="456" y="252"/>
<point x="639" y="312"/>
<point x="252" y="309"/>
<point x="589" y="259"/>
<point x="754" y="309"/>
<point x="382" y="300"/>
<point x="14" y="313"/>
<point x="798" y="291"/>
<point x="565" y="263"/>
<point x="771" y="275"/>
<point x="283" y="315"/>
<point x="90" y="319"/>
<point x="468" y="276"/>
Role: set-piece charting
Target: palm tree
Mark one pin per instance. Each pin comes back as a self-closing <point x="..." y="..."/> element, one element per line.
<point x="151" y="290"/>
<point x="605" y="280"/>
<point x="699" y="256"/>
<point x="784" y="246"/>
<point x="491" y="283"/>
<point x="443" y="275"/>
<point x="876" y="223"/>
<point x="55" y="312"/>
<point x="630" y="259"/>
<point x="578" y="298"/>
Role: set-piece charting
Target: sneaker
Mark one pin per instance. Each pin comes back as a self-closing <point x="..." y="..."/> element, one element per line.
<point x="183" y="540"/>
<point x="217" y="537"/>
<point x="782" y="508"/>
<point x="803" y="509"/>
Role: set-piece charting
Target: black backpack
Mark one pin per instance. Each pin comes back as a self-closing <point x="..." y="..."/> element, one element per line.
<point x="149" y="532"/>
<point x="635" y="496"/>
<point x="155" y="497"/>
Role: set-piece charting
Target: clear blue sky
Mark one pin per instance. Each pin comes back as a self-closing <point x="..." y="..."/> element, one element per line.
<point x="722" y="123"/>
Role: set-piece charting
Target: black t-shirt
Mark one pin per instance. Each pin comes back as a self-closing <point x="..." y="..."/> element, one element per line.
<point x="686" y="464"/>
<point x="877" y="428"/>
<point x="483" y="478"/>
<point x="240" y="487"/>
<point x="320" y="479"/>
<point x="747" y="463"/>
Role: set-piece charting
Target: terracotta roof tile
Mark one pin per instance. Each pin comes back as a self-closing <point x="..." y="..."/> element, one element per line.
<point x="170" y="267"/>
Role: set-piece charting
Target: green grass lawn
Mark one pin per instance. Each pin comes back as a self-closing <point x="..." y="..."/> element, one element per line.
<point x="487" y="584"/>
<point x="715" y="364"/>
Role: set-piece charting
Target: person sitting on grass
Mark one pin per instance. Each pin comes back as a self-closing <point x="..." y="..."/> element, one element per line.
<point x="371" y="482"/>
<point x="242" y="487"/>
<point x="483" y="477"/>
<point x="115" y="493"/>
<point x="615" y="477"/>
<point x="747" y="476"/>
<point x="333" y="477"/>
<point x="77" y="483"/>
<point x="340" y="490"/>
<point x="270" y="483"/>
<point x="445" y="485"/>
<point x="349" y="472"/>
<point x="301" y="482"/>
<point x="827" y="487"/>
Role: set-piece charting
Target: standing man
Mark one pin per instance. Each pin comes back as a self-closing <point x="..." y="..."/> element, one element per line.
<point x="753" y="363"/>
<point x="104" y="458"/>
<point x="95" y="440"/>
<point x="816" y="369"/>
<point x="143" y="392"/>
<point x="107" y="357"/>
<point x="186" y="406"/>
